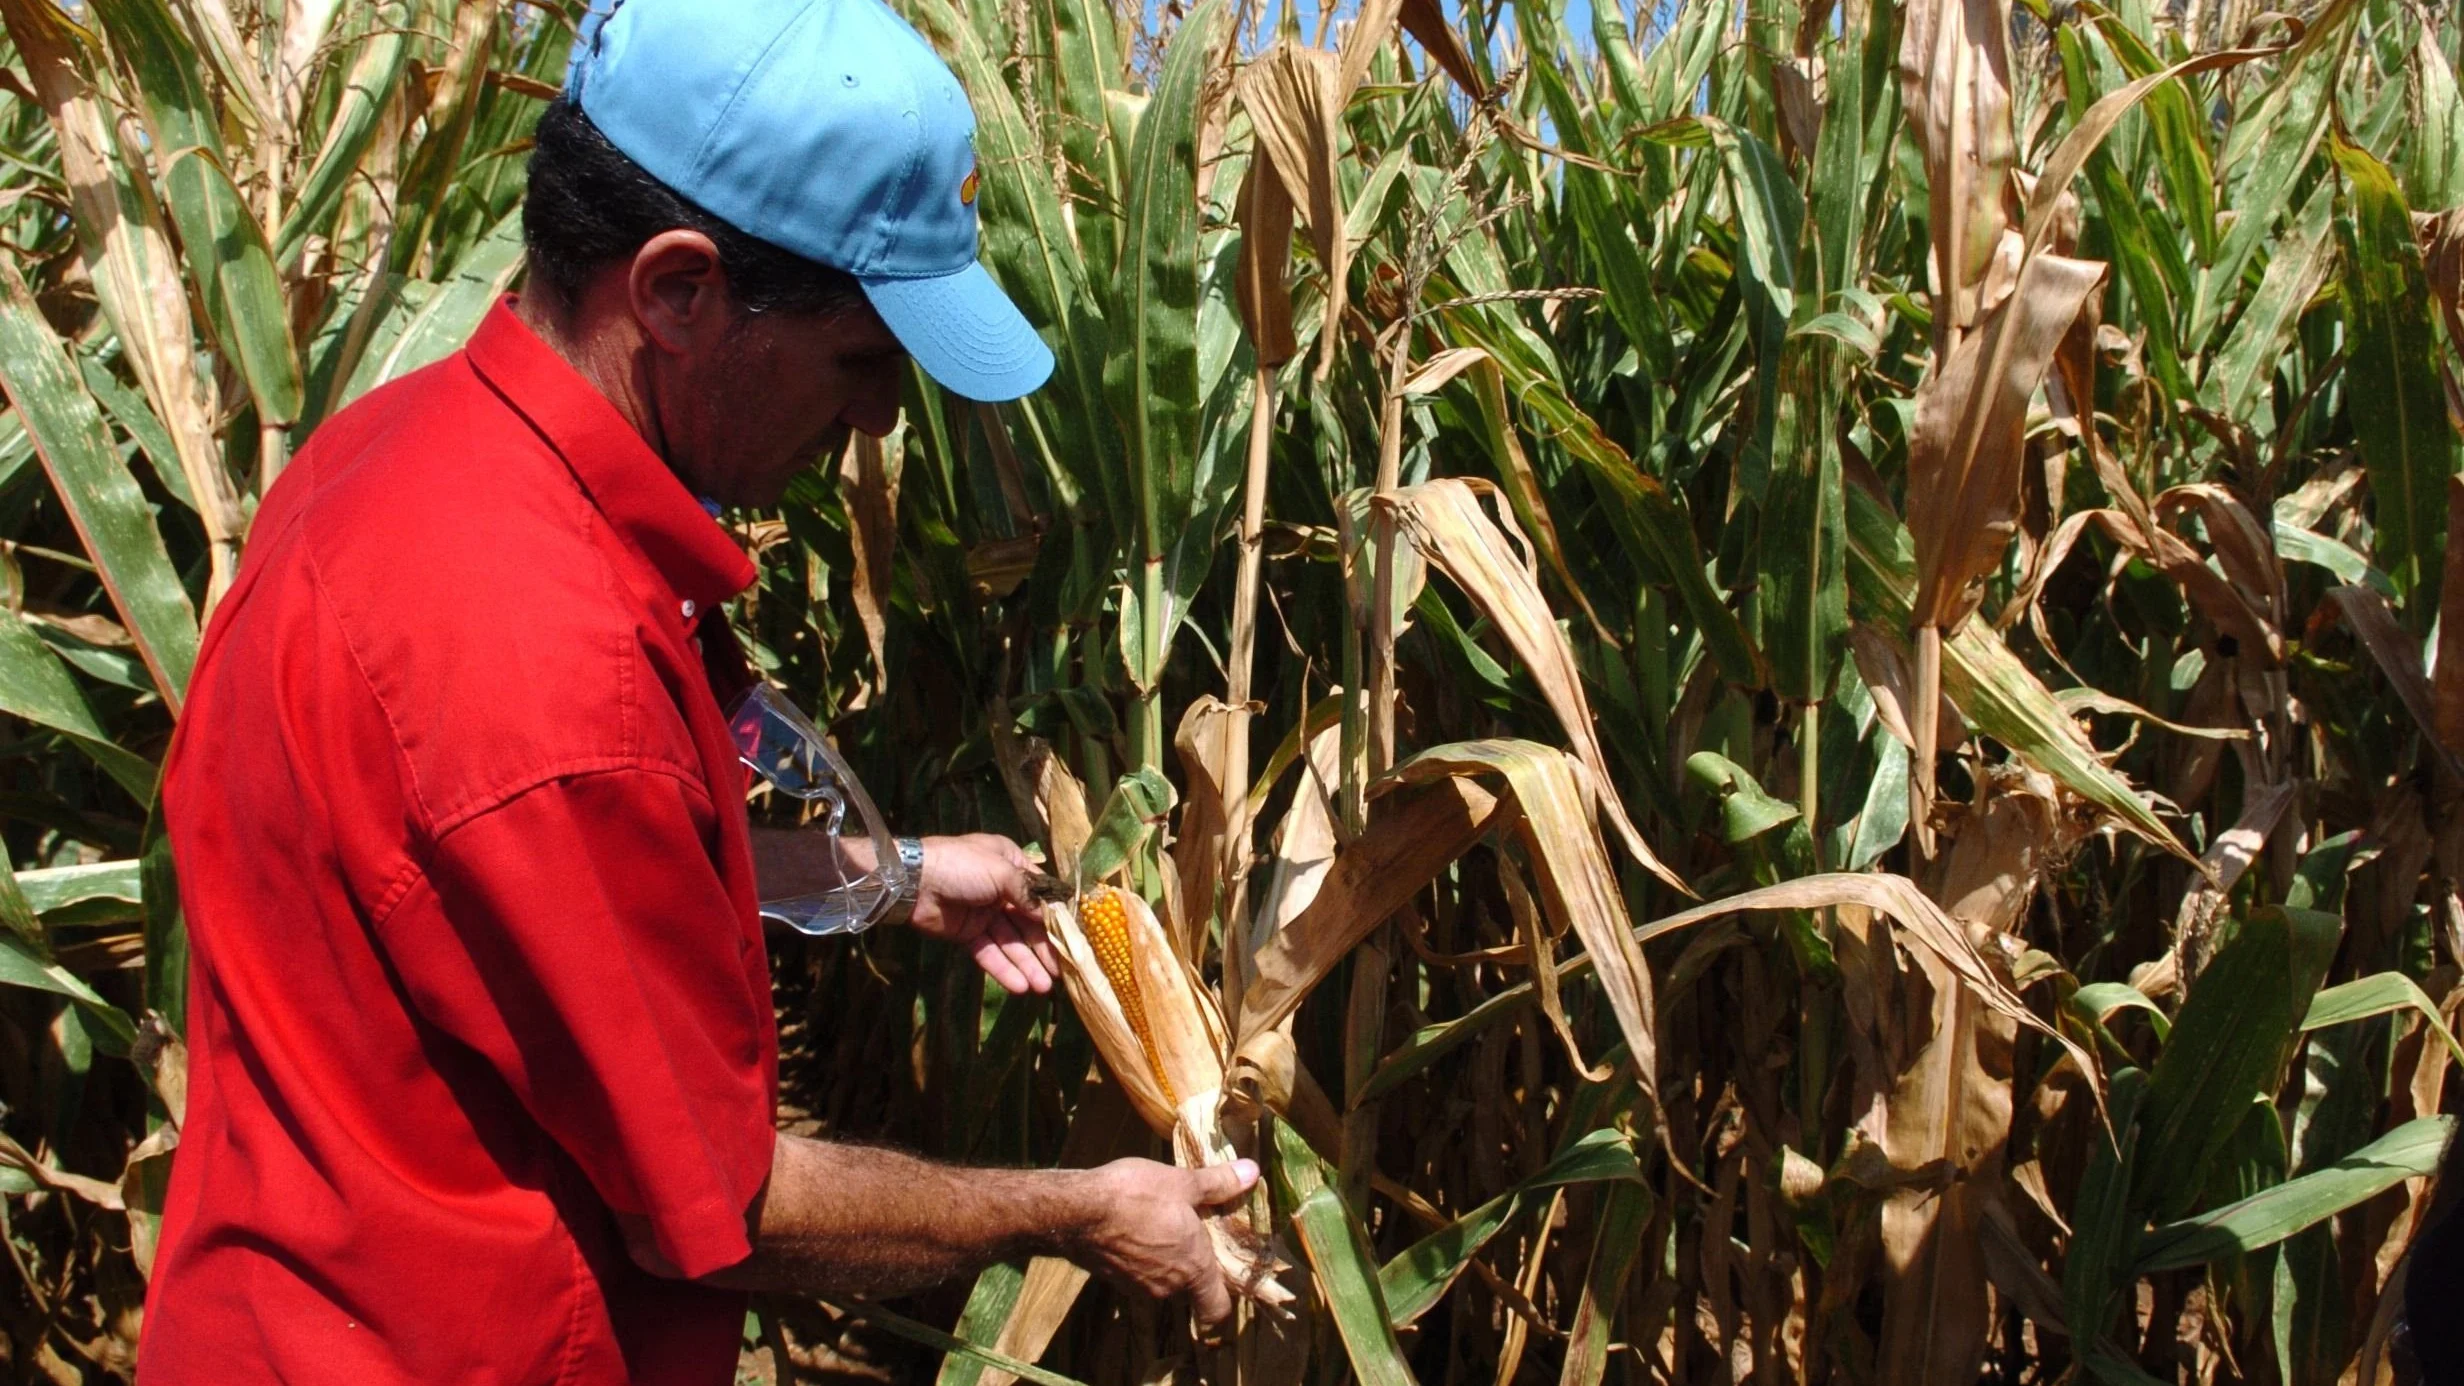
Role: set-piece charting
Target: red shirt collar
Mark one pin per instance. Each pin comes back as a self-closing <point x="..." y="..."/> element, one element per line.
<point x="628" y="482"/>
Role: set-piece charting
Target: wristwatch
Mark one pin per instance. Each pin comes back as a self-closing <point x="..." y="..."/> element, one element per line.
<point x="910" y="881"/>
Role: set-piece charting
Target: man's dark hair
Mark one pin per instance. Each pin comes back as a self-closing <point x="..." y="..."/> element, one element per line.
<point x="590" y="206"/>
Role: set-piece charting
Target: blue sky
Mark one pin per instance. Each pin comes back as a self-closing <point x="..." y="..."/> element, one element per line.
<point x="1577" y="15"/>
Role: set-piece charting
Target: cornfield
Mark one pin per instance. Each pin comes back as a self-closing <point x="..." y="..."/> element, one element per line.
<point x="1758" y="688"/>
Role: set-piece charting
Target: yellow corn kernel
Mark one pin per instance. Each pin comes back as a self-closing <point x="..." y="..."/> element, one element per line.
<point x="1105" y="918"/>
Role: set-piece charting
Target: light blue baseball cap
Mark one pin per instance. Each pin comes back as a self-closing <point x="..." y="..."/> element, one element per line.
<point x="829" y="128"/>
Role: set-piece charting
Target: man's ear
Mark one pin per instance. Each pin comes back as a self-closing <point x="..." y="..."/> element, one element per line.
<point x="678" y="292"/>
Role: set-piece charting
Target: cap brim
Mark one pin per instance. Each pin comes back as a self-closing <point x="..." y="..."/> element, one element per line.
<point x="964" y="332"/>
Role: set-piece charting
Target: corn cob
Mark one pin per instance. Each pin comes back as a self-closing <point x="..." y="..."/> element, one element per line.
<point x="1106" y="921"/>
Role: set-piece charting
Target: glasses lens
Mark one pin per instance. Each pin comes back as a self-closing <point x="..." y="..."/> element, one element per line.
<point x="800" y="783"/>
<point x="778" y="744"/>
<point x="788" y="755"/>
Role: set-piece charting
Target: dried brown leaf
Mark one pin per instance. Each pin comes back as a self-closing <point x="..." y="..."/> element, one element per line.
<point x="1304" y="848"/>
<point x="1542" y="955"/>
<point x="1887" y="676"/>
<point x="1559" y="830"/>
<point x="1417" y="836"/>
<point x="2442" y="257"/>
<point x="1432" y="375"/>
<point x="2397" y="655"/>
<point x="1294" y="95"/>
<point x="123" y="240"/>
<point x="1266" y="245"/>
<point x="1991" y="873"/>
<point x="1955" y="81"/>
<point x="1967" y="448"/>
<point x="2227" y="858"/>
<point x="868" y="487"/>
<point x="1921" y="921"/>
<point x="1522" y="484"/>
<point x="1950" y="1109"/>
<point x="1425" y="20"/>
<point x="1491" y="562"/>
<point x="1062" y="801"/>
<point x="1197" y="849"/>
<point x="1370" y="29"/>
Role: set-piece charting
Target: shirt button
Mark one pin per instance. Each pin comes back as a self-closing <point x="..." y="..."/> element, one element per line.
<point x="688" y="608"/>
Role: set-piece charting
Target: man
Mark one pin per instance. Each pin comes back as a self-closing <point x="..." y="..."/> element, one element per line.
<point x="482" y="1053"/>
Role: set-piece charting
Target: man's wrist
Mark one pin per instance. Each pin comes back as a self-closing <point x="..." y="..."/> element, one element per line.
<point x="910" y="852"/>
<point x="1075" y="1208"/>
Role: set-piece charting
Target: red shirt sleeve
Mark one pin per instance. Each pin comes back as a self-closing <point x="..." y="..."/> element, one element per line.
<point x="583" y="943"/>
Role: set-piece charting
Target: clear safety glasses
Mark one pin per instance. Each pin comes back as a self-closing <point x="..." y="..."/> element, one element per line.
<point x="853" y="873"/>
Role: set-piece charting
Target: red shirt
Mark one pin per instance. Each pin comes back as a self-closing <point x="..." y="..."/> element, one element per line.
<point x="463" y="852"/>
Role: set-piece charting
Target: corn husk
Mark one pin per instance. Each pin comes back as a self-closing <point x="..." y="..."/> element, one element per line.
<point x="1168" y="1048"/>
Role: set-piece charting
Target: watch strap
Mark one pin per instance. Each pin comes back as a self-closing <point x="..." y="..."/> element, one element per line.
<point x="910" y="880"/>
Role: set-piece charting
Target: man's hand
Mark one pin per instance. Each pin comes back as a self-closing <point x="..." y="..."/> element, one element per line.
<point x="1149" y="1237"/>
<point x="974" y="894"/>
<point x="854" y="1219"/>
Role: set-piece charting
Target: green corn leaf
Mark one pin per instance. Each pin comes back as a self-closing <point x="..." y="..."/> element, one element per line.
<point x="2182" y="156"/>
<point x="1431" y="1043"/>
<point x="2400" y="420"/>
<point x="1419" y="1275"/>
<point x="1884" y="818"/>
<point x="59" y="887"/>
<point x="1131" y="813"/>
<point x="988" y="1307"/>
<point x="224" y="244"/>
<point x="452" y="109"/>
<point x="1087" y="68"/>
<point x="2265" y="1218"/>
<point x="166" y="928"/>
<point x="22" y="964"/>
<point x="2231" y="1041"/>
<point x="1028" y="247"/>
<point x="2263" y="160"/>
<point x="1984" y="680"/>
<point x="2434" y="157"/>
<point x="2296" y="266"/>
<point x="36" y="685"/>
<point x="2334" y="555"/>
<point x="1615" y="1247"/>
<point x="1746" y="812"/>
<point x="1770" y="221"/>
<point x="102" y="499"/>
<point x="1347" y="1276"/>
<point x="1804" y="590"/>
<point x="2101" y="1001"/>
<point x="2095" y="1273"/>
<point x="371" y="85"/>
<point x="2378" y="994"/>
<point x="1152" y="376"/>
<point x="1649" y="516"/>
<point x="932" y="1337"/>
<point x="1338" y="1252"/>
<point x="129" y="410"/>
<point x="433" y="322"/>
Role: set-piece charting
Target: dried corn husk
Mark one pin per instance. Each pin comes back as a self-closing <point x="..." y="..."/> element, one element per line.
<point x="1162" y="1037"/>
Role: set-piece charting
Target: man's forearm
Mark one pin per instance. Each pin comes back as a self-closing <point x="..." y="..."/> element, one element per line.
<point x="789" y="862"/>
<point x="863" y="1220"/>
